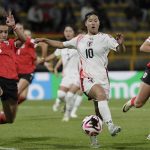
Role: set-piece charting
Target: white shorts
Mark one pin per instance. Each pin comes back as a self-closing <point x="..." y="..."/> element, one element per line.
<point x="87" y="84"/>
<point x="67" y="81"/>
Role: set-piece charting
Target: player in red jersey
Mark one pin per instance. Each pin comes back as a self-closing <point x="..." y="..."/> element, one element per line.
<point x="144" y="90"/>
<point x="8" y="71"/>
<point x="26" y="60"/>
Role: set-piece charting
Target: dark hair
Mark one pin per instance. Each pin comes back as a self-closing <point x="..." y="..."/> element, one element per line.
<point x="2" y="20"/>
<point x="90" y="14"/>
<point x="83" y="28"/>
<point x="72" y="26"/>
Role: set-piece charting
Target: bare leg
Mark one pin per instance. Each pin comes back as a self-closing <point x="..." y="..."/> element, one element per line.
<point x="143" y="95"/>
<point x="10" y="109"/>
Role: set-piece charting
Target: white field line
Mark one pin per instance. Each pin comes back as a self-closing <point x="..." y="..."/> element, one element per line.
<point x="5" y="148"/>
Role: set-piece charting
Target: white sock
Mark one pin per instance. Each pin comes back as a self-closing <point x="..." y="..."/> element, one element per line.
<point x="78" y="100"/>
<point x="57" y="102"/>
<point x="105" y="112"/>
<point x="69" y="103"/>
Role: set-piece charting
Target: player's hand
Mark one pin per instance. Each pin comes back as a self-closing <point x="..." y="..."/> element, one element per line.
<point x="10" y="21"/>
<point x="38" y="40"/>
<point x="41" y="60"/>
<point x="120" y="38"/>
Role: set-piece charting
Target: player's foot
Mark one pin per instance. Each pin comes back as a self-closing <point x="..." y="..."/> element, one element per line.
<point x="148" y="137"/>
<point x="114" y="130"/>
<point x="65" y="119"/>
<point x="1" y="91"/>
<point x="73" y="115"/>
<point x="55" y="108"/>
<point x="127" y="106"/>
<point x="94" y="142"/>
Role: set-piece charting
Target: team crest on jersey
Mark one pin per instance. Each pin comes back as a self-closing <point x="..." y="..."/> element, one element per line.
<point x="89" y="43"/>
<point x="91" y="80"/>
<point x="6" y="42"/>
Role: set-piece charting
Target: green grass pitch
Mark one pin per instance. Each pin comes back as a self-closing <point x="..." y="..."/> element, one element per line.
<point x="37" y="127"/>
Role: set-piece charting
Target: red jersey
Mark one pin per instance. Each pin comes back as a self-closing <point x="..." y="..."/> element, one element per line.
<point x="25" y="57"/>
<point x="148" y="65"/>
<point x="7" y="60"/>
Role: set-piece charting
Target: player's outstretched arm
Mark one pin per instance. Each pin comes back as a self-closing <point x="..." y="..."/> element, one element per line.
<point x="52" y="43"/>
<point x="10" y="21"/>
<point x="50" y="57"/>
<point x="145" y="47"/>
<point x="120" y="40"/>
<point x="43" y="47"/>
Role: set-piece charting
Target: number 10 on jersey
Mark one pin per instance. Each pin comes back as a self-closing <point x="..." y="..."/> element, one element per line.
<point x="89" y="53"/>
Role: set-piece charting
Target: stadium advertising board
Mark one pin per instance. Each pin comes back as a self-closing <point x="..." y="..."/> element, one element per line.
<point x="123" y="85"/>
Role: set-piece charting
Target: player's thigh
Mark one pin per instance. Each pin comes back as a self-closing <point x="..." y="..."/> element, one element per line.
<point x="24" y="81"/>
<point x="22" y="85"/>
<point x="73" y="88"/>
<point x="144" y="93"/>
<point x="24" y="92"/>
<point x="65" y="84"/>
<point x="63" y="88"/>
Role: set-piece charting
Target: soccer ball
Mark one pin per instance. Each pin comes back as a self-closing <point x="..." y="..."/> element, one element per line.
<point x="92" y="125"/>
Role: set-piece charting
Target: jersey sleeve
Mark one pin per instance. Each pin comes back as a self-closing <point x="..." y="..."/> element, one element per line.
<point x="72" y="43"/>
<point x="57" y="52"/>
<point x="30" y="42"/>
<point x="112" y="43"/>
<point x="13" y="44"/>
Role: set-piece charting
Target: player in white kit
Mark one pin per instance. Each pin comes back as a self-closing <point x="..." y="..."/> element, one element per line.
<point x="70" y="83"/>
<point x="93" y="49"/>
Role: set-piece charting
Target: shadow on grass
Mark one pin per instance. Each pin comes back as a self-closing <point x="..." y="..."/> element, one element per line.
<point x="128" y="146"/>
<point x="58" y="143"/>
<point x="43" y="143"/>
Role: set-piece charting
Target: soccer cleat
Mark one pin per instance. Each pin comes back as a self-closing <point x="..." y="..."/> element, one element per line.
<point x="73" y="115"/>
<point x="55" y="108"/>
<point x="148" y="137"/>
<point x="65" y="119"/>
<point x="94" y="142"/>
<point x="114" y="130"/>
<point x="127" y="106"/>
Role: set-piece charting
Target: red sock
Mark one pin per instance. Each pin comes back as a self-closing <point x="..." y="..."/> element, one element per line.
<point x="21" y="99"/>
<point x="132" y="101"/>
<point x="2" y="118"/>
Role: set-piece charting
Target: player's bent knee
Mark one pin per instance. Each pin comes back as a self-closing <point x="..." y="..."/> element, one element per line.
<point x="61" y="94"/>
<point x="70" y="95"/>
<point x="100" y="97"/>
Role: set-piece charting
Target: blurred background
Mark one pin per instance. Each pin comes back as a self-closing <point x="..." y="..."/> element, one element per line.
<point x="47" y="18"/>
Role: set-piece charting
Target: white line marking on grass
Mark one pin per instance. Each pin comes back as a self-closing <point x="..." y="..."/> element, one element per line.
<point x="4" y="148"/>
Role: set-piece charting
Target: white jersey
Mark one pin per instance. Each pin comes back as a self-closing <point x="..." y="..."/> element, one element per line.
<point x="148" y="39"/>
<point x="70" y="61"/>
<point x="93" y="51"/>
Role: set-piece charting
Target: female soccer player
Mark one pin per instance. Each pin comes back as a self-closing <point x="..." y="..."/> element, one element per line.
<point x="26" y="59"/>
<point x="144" y="89"/>
<point x="93" y="49"/>
<point x="8" y="69"/>
<point x="71" y="81"/>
